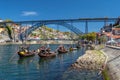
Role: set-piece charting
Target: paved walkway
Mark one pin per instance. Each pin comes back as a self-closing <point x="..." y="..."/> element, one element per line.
<point x="113" y="64"/>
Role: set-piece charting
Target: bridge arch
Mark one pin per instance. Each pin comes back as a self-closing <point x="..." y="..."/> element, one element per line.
<point x="37" y="25"/>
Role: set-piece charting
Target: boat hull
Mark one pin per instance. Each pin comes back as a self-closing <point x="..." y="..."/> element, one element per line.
<point x="26" y="54"/>
<point x="51" y="54"/>
<point x="62" y="52"/>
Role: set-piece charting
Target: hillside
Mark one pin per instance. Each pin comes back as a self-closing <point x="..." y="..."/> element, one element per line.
<point x="48" y="33"/>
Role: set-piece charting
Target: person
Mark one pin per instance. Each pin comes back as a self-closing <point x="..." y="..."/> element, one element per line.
<point x="48" y="50"/>
<point x="71" y="49"/>
<point x="90" y="42"/>
<point x="63" y="48"/>
<point x="59" y="48"/>
<point x="26" y="51"/>
<point x="38" y="50"/>
<point x="34" y="51"/>
<point x="42" y="50"/>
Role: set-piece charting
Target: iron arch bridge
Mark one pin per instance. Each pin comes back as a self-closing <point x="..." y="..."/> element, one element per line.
<point x="37" y="25"/>
<point x="63" y="22"/>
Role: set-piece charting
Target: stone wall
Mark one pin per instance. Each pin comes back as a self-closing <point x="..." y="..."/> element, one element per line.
<point x="92" y="60"/>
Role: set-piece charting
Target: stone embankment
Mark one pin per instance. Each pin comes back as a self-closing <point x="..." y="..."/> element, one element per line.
<point x="91" y="60"/>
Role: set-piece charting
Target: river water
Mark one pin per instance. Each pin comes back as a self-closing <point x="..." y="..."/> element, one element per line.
<point x="36" y="68"/>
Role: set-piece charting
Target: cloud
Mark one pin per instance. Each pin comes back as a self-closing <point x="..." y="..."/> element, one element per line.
<point x="29" y="13"/>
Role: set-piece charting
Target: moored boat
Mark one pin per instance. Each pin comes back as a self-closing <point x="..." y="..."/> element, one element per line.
<point x="62" y="52"/>
<point x="46" y="52"/>
<point x="61" y="49"/>
<point x="26" y="54"/>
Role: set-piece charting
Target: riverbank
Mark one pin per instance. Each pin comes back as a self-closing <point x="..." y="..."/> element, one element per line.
<point x="41" y="42"/>
<point x="91" y="60"/>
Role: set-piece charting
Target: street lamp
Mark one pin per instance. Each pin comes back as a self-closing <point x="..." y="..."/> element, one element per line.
<point x="111" y="38"/>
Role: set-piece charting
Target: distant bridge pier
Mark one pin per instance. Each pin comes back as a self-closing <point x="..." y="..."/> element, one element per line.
<point x="86" y="27"/>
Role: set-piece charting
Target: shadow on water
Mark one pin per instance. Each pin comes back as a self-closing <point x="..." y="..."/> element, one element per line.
<point x="24" y="60"/>
<point x="45" y="60"/>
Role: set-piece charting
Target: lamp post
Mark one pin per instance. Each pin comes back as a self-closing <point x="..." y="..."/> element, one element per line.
<point x="111" y="38"/>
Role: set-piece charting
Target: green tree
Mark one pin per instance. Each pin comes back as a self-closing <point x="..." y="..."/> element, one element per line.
<point x="9" y="31"/>
<point x="118" y="26"/>
<point x="9" y="28"/>
<point x="90" y="36"/>
<point x="66" y="33"/>
<point x="8" y="20"/>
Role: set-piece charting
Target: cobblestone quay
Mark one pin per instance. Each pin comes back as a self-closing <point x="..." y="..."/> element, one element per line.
<point x="113" y="64"/>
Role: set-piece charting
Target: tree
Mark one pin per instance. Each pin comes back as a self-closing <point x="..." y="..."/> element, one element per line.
<point x="9" y="28"/>
<point x="8" y="20"/>
<point x="118" y="26"/>
<point x="90" y="36"/>
<point x="66" y="33"/>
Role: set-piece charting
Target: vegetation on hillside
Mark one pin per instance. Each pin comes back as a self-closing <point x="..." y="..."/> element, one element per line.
<point x="90" y="36"/>
<point x="9" y="31"/>
<point x="48" y="33"/>
<point x="9" y="28"/>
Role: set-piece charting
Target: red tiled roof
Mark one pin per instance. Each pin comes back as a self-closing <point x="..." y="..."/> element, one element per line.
<point x="115" y="28"/>
<point x="107" y="34"/>
<point x="116" y="36"/>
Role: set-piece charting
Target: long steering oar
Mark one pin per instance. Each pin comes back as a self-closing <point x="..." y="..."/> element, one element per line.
<point x="13" y="56"/>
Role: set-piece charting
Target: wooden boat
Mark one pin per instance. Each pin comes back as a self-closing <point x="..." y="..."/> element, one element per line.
<point x="50" y="54"/>
<point x="61" y="50"/>
<point x="25" y="54"/>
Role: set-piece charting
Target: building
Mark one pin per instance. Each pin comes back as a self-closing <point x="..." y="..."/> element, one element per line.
<point x="116" y="34"/>
<point x="2" y="29"/>
<point x="106" y="28"/>
<point x="112" y="31"/>
<point x="1" y="20"/>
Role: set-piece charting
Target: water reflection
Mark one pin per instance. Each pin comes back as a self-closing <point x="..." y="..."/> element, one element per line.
<point x="45" y="60"/>
<point x="25" y="60"/>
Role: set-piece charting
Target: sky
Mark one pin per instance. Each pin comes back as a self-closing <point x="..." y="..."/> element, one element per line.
<point x="22" y="10"/>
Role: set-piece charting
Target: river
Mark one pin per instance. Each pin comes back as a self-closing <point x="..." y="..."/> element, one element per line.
<point x="36" y="68"/>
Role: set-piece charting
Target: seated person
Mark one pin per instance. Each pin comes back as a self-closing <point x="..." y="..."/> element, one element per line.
<point x="48" y="50"/>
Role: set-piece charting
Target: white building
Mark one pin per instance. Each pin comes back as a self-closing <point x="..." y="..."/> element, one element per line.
<point x="1" y="20"/>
